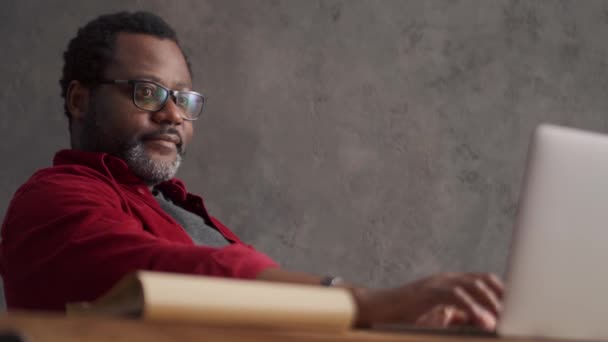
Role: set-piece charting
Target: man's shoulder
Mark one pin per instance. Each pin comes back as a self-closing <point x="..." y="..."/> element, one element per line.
<point x="57" y="190"/>
<point x="61" y="178"/>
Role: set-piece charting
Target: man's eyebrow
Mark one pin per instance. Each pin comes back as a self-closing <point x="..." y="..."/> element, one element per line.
<point x="158" y="80"/>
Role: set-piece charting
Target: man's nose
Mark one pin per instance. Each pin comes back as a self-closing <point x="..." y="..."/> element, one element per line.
<point x="170" y="113"/>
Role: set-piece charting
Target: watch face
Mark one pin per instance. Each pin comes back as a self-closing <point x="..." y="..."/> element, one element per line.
<point x="337" y="281"/>
<point x="332" y="281"/>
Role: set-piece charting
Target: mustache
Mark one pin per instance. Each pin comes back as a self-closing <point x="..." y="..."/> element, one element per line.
<point x="165" y="131"/>
<point x="161" y="132"/>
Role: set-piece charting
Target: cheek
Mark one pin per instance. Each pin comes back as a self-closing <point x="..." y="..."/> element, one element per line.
<point x="188" y="132"/>
<point x="121" y="120"/>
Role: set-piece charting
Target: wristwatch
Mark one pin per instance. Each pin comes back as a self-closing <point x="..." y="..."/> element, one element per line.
<point x="331" y="281"/>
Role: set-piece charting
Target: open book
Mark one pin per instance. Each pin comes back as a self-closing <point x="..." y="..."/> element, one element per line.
<point x="210" y="300"/>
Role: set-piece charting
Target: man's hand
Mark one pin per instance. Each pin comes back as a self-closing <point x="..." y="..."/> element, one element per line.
<point x="443" y="316"/>
<point x="438" y="301"/>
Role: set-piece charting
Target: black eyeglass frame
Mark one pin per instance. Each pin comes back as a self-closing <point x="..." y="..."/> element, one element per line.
<point x="171" y="93"/>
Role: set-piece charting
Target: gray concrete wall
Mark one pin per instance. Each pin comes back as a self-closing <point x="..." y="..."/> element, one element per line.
<point x="378" y="140"/>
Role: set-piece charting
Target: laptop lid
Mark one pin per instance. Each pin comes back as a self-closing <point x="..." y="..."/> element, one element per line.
<point x="557" y="284"/>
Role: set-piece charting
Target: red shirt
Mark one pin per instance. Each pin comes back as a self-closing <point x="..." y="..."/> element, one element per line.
<point x="74" y="229"/>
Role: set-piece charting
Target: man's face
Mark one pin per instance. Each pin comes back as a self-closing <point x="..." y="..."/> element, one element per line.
<point x="152" y="143"/>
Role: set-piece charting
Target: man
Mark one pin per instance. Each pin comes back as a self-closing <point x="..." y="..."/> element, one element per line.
<point x="111" y="205"/>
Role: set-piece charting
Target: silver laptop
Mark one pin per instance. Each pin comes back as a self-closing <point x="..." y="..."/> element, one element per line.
<point x="557" y="279"/>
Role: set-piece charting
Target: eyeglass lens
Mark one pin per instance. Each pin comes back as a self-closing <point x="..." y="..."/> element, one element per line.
<point x="150" y="96"/>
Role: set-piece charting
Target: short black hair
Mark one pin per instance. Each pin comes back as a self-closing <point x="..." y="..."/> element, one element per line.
<point x="89" y="53"/>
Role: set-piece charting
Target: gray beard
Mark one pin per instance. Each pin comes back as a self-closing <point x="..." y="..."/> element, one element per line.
<point x="100" y="138"/>
<point x="151" y="172"/>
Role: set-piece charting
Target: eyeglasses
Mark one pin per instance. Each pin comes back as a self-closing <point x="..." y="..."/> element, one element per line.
<point x="151" y="96"/>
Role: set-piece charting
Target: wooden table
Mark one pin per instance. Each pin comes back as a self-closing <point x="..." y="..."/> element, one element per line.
<point x="35" y="327"/>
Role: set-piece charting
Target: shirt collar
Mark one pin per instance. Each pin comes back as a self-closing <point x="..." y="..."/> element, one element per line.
<point x="117" y="169"/>
<point x="100" y="161"/>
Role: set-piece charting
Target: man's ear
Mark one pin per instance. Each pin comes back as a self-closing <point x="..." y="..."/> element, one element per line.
<point x="77" y="100"/>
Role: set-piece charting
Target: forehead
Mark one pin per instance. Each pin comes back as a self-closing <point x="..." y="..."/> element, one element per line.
<point x="145" y="56"/>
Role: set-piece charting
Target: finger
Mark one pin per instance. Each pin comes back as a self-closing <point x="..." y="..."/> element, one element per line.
<point x="493" y="281"/>
<point x="443" y="316"/>
<point x="459" y="317"/>
<point x="478" y="286"/>
<point x="447" y="315"/>
<point x="480" y="292"/>
<point x="455" y="317"/>
<point x="484" y="318"/>
<point x="494" y="300"/>
<point x="434" y="318"/>
<point x="496" y="283"/>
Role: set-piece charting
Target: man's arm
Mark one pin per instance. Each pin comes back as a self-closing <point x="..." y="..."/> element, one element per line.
<point x="73" y="241"/>
<point x="471" y="299"/>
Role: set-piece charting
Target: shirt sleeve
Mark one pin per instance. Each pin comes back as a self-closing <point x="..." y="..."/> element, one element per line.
<point x="71" y="241"/>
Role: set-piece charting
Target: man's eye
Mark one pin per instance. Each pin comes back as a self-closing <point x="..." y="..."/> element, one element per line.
<point x="145" y="91"/>
<point x="182" y="101"/>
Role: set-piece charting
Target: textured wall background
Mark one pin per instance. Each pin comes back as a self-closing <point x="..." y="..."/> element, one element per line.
<point x="379" y="140"/>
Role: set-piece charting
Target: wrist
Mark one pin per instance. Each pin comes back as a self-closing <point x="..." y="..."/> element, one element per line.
<point x="360" y="297"/>
<point x="363" y="299"/>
